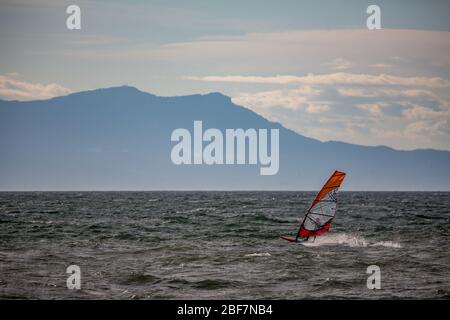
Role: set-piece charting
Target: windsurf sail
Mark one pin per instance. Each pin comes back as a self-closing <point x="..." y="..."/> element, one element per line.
<point x="318" y="218"/>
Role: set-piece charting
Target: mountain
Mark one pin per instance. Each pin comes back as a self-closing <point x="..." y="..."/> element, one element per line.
<point x="119" y="139"/>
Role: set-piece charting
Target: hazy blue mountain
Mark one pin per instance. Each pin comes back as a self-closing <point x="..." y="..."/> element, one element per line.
<point x="119" y="139"/>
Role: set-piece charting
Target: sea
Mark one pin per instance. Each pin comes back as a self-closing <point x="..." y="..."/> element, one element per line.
<point x="222" y="245"/>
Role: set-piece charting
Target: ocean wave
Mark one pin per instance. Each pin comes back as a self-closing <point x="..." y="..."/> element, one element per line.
<point x="349" y="240"/>
<point x="387" y="244"/>
<point x="258" y="254"/>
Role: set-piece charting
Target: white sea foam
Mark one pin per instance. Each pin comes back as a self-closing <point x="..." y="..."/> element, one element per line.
<point x="260" y="254"/>
<point x="348" y="240"/>
<point x="388" y="244"/>
<point x="337" y="239"/>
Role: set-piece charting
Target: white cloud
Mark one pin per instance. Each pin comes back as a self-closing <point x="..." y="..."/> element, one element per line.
<point x="340" y="64"/>
<point x="380" y="65"/>
<point x="402" y="112"/>
<point x="385" y="92"/>
<point x="339" y="78"/>
<point x="374" y="109"/>
<point x="427" y="131"/>
<point x="285" y="98"/>
<point x="317" y="108"/>
<point x="12" y="88"/>
<point x="422" y="113"/>
<point x="292" y="51"/>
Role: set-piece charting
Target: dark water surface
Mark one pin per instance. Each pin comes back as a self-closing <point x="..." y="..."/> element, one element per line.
<point x="153" y="245"/>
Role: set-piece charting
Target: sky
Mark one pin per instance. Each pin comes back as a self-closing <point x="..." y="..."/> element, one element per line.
<point x="313" y="66"/>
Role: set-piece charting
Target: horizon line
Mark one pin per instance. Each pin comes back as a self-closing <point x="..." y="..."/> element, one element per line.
<point x="218" y="190"/>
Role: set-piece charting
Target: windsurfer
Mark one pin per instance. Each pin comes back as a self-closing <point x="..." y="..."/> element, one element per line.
<point x="304" y="239"/>
<point x="318" y="218"/>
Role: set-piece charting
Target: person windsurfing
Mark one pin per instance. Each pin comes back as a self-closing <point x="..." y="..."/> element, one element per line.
<point x="318" y="218"/>
<point x="303" y="239"/>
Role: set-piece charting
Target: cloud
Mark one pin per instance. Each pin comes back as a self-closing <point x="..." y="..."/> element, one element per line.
<point x="380" y="65"/>
<point x="418" y="112"/>
<point x="306" y="51"/>
<point x="339" y="64"/>
<point x="289" y="52"/>
<point x="285" y="98"/>
<point x="14" y="89"/>
<point x="317" y="108"/>
<point x="427" y="131"/>
<point x="339" y="78"/>
<point x="374" y="109"/>
<point x="387" y="92"/>
<point x="399" y="111"/>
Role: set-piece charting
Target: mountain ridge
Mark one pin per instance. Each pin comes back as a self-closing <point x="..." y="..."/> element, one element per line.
<point x="119" y="138"/>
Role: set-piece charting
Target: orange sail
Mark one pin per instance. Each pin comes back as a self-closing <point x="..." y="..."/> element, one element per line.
<point x="323" y="209"/>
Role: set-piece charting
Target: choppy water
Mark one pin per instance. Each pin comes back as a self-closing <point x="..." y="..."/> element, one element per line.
<point x="153" y="245"/>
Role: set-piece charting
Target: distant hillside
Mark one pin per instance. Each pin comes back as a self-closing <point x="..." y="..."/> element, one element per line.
<point x="119" y="139"/>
